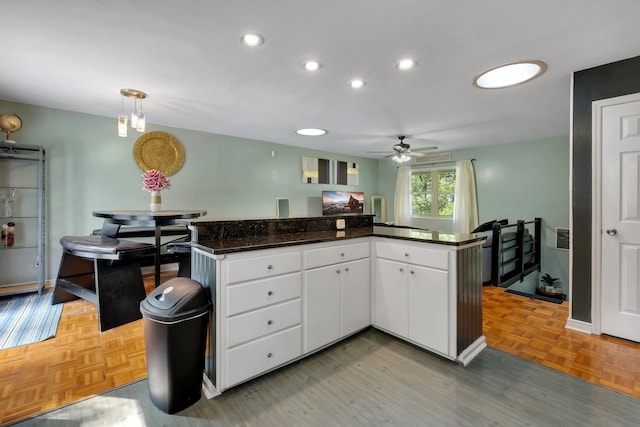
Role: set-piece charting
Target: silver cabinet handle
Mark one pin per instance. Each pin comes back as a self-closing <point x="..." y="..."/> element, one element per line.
<point x="612" y="231"/>
<point x="269" y="267"/>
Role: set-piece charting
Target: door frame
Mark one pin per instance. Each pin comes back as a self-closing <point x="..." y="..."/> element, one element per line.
<point x="596" y="205"/>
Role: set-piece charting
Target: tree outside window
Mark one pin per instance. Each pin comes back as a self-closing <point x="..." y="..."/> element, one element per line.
<point x="432" y="193"/>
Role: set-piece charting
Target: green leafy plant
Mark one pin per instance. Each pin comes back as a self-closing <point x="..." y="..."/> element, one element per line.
<point x="548" y="280"/>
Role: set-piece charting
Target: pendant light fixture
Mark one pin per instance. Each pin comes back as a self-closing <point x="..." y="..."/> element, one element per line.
<point x="138" y="121"/>
<point x="122" y="122"/>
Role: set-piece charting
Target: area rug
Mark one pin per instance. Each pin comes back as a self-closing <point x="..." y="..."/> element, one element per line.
<point x="535" y="296"/>
<point x="28" y="318"/>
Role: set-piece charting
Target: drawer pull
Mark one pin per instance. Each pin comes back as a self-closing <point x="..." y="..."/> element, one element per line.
<point x="338" y="271"/>
<point x="270" y="293"/>
<point x="269" y="267"/>
<point x="401" y="270"/>
<point x="269" y="322"/>
<point x="341" y="253"/>
<point x="269" y="355"/>
<point x="346" y="269"/>
<point x="406" y="254"/>
<point x="412" y="272"/>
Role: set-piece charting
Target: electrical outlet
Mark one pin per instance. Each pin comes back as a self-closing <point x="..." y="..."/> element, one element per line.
<point x="340" y="224"/>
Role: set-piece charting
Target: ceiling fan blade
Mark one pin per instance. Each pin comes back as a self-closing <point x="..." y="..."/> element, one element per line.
<point x="379" y="152"/>
<point x="425" y="149"/>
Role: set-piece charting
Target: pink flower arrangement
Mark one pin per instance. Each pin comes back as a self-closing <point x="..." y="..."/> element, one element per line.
<point x="154" y="180"/>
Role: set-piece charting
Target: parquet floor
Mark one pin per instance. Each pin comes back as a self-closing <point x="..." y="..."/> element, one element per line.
<point x="80" y="361"/>
<point x="534" y="330"/>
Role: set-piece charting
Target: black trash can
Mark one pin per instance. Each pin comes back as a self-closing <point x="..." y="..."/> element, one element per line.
<point x="175" y="317"/>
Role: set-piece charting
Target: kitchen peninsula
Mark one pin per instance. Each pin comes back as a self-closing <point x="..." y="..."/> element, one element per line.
<point x="285" y="288"/>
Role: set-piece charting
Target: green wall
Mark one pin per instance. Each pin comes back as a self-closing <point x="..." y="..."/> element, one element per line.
<point x="90" y="168"/>
<point x="520" y="180"/>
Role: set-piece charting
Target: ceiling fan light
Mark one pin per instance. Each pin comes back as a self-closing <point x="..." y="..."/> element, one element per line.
<point x="401" y="158"/>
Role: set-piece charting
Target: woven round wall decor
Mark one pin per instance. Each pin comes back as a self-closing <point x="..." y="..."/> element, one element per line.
<point x="160" y="151"/>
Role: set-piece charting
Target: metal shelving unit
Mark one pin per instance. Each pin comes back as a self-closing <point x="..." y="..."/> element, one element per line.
<point x="23" y="167"/>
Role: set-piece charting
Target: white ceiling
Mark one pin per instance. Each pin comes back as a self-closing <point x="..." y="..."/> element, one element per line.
<point x="77" y="54"/>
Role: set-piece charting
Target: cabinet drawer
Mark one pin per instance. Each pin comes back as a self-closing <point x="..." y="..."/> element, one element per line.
<point x="320" y="257"/>
<point x="248" y="326"/>
<point x="261" y="293"/>
<point x="266" y="353"/>
<point x="427" y="257"/>
<point x="241" y="270"/>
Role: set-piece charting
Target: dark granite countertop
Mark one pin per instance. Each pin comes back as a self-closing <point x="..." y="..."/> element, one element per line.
<point x="250" y="243"/>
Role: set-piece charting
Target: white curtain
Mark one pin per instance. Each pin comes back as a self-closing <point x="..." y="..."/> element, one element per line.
<point x="465" y="206"/>
<point x="402" y="197"/>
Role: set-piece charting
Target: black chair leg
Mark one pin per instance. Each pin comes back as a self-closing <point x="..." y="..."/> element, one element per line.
<point x="184" y="265"/>
<point x="120" y="290"/>
<point x="75" y="279"/>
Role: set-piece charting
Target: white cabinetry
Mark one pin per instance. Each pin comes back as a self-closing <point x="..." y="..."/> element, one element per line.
<point x="336" y="292"/>
<point x="413" y="294"/>
<point x="263" y="312"/>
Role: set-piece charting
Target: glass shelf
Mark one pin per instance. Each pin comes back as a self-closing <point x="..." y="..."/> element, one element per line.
<point x="18" y="217"/>
<point x="18" y="187"/>
<point x="14" y="247"/>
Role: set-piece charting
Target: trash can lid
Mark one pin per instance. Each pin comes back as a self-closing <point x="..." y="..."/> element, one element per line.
<point x="175" y="296"/>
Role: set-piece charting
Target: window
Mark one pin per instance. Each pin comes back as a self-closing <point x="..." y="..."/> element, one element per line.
<point x="432" y="193"/>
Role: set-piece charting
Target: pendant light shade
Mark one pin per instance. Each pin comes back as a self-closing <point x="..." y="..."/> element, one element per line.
<point x="122" y="125"/>
<point x="141" y="122"/>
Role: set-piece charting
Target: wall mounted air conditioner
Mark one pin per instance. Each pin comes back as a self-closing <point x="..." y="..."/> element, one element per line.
<point x="433" y="158"/>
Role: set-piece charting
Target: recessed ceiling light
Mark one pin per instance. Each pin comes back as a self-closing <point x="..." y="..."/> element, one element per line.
<point x="406" y="64"/>
<point x="510" y="74"/>
<point x="312" y="65"/>
<point x="311" y="132"/>
<point x="252" y="40"/>
<point x="357" y="83"/>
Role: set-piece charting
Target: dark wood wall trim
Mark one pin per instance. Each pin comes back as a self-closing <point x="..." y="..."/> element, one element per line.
<point x="606" y="81"/>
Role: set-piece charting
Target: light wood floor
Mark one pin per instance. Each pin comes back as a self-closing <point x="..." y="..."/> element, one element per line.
<point x="80" y="361"/>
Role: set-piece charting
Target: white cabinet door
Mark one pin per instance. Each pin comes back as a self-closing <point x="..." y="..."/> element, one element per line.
<point x="391" y="297"/>
<point x="429" y="308"/>
<point x="355" y="294"/>
<point x="322" y="306"/>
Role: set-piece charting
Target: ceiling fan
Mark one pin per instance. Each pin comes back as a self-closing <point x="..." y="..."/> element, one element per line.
<point x="402" y="151"/>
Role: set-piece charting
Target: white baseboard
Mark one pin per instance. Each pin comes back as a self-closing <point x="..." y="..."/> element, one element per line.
<point x="472" y="351"/>
<point x="578" y="325"/>
<point x="208" y="388"/>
